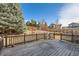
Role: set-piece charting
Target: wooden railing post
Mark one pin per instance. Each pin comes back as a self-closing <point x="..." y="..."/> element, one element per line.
<point x="54" y="35"/>
<point x="5" y="40"/>
<point x="60" y="36"/>
<point x="24" y="38"/>
<point x="36" y="36"/>
<point x="44" y="36"/>
<point x="1" y="43"/>
<point x="49" y="36"/>
<point x="12" y="40"/>
<point x="72" y="36"/>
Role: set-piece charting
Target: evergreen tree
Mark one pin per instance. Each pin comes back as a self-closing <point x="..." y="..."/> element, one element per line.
<point x="28" y="23"/>
<point x="33" y="22"/>
<point x="11" y="17"/>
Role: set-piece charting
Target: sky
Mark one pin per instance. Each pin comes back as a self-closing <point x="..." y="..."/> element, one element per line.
<point x="50" y="12"/>
<point x="69" y="13"/>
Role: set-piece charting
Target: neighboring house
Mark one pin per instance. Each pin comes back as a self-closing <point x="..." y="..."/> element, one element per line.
<point x="73" y="25"/>
<point x="55" y="26"/>
<point x="51" y="26"/>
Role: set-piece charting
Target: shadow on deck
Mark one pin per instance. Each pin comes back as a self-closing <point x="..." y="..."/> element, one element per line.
<point x="43" y="48"/>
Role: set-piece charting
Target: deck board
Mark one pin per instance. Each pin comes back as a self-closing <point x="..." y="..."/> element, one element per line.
<point x="43" y="48"/>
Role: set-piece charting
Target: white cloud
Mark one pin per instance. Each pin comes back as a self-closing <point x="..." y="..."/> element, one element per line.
<point x="69" y="13"/>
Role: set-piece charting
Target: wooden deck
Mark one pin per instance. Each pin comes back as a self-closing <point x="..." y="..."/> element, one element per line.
<point x="43" y="48"/>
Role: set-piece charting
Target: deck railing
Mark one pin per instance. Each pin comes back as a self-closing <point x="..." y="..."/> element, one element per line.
<point x="66" y="36"/>
<point x="12" y="40"/>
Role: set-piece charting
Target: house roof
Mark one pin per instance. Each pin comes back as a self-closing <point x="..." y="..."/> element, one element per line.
<point x="73" y="23"/>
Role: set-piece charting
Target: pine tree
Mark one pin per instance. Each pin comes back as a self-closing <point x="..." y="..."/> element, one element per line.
<point x="11" y="18"/>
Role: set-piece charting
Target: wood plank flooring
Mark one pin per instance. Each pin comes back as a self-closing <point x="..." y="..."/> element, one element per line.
<point x="43" y="48"/>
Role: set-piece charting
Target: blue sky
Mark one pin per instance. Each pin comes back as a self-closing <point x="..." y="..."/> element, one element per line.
<point x="38" y="11"/>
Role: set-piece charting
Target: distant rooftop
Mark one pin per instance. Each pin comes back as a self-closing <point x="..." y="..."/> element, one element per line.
<point x="73" y="25"/>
